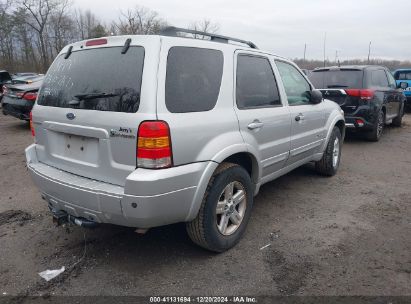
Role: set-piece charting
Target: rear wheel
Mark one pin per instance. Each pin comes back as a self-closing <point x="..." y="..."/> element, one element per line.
<point x="225" y="210"/>
<point x="378" y="128"/>
<point x="397" y="121"/>
<point x="329" y="163"/>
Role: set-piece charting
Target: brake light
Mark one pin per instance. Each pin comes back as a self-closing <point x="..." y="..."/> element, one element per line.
<point x="154" y="145"/>
<point x="30" y="96"/>
<point x="96" y="42"/>
<point x="365" y="94"/>
<point x="4" y="90"/>
<point x="33" y="133"/>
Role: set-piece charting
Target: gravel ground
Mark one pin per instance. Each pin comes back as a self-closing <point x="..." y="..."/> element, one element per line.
<point x="345" y="235"/>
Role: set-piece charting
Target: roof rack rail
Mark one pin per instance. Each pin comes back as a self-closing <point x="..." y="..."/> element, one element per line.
<point x="172" y="31"/>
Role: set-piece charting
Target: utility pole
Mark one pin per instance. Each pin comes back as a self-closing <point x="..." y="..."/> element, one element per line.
<point x="369" y="52"/>
<point x="325" y="40"/>
<point x="305" y="50"/>
<point x="336" y="56"/>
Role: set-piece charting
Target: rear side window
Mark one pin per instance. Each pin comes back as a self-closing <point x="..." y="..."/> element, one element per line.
<point x="334" y="79"/>
<point x="82" y="80"/>
<point x="256" y="84"/>
<point x="193" y="79"/>
<point x="378" y="78"/>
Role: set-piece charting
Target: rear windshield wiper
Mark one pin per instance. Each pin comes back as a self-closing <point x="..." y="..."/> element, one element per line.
<point x="94" y="96"/>
<point x="89" y="96"/>
<point x="337" y="86"/>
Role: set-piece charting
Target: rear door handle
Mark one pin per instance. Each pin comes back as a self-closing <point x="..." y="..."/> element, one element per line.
<point x="299" y="117"/>
<point x="256" y="124"/>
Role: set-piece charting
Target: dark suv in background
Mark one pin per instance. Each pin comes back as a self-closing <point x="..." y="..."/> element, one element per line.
<point x="5" y="78"/>
<point x="368" y="95"/>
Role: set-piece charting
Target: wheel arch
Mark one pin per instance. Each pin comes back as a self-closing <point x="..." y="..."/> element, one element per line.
<point x="239" y="155"/>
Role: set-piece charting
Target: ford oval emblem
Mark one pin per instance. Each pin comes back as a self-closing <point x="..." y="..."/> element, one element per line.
<point x="70" y="116"/>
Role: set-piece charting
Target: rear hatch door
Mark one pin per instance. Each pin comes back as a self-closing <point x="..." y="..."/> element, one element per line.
<point x="333" y="83"/>
<point x="91" y="104"/>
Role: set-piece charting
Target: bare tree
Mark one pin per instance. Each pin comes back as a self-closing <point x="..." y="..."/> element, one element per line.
<point x="40" y="11"/>
<point x="204" y="25"/>
<point x="139" y="20"/>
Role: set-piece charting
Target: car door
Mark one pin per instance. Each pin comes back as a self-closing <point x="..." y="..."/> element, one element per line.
<point x="379" y="83"/>
<point x="263" y="118"/>
<point x="307" y="119"/>
<point x="398" y="95"/>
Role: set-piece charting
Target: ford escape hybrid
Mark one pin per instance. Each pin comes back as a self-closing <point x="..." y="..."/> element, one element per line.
<point x="144" y="131"/>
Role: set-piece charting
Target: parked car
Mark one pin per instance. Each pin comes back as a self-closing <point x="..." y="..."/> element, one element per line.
<point x="23" y="74"/>
<point x="27" y="79"/>
<point x="19" y="99"/>
<point x="368" y="95"/>
<point x="404" y="75"/>
<point x="144" y="131"/>
<point x="5" y="78"/>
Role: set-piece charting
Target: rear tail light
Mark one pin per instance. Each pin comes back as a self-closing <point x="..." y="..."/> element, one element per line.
<point x="30" y="96"/>
<point x="154" y="145"/>
<point x="4" y="90"/>
<point x="19" y="94"/>
<point x="31" y="125"/>
<point x="364" y="94"/>
<point x="359" y="122"/>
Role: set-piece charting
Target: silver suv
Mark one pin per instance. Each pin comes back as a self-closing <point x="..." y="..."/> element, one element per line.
<point x="144" y="131"/>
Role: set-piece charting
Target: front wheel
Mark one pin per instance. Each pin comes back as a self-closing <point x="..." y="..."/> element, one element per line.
<point x="225" y="210"/>
<point x="329" y="163"/>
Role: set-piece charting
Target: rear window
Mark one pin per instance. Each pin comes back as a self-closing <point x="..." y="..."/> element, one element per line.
<point x="193" y="79"/>
<point x="82" y="80"/>
<point x="403" y="75"/>
<point x="328" y="79"/>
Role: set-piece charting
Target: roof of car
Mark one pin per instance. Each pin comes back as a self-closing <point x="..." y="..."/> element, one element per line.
<point x="121" y="40"/>
<point x="403" y="70"/>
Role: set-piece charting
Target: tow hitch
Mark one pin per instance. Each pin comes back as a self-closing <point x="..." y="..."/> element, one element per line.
<point x="61" y="217"/>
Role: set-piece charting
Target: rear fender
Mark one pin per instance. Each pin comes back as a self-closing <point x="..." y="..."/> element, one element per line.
<point x="218" y="158"/>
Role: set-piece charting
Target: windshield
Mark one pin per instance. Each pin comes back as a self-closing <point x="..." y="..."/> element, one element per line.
<point x="113" y="77"/>
<point x="4" y="76"/>
<point x="403" y="75"/>
<point x="328" y="79"/>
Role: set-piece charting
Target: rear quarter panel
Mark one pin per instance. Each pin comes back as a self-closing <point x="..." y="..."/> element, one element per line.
<point x="201" y="136"/>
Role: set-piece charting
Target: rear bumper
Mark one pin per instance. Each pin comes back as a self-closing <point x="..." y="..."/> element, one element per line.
<point x="150" y="197"/>
<point x="17" y="108"/>
<point x="363" y="119"/>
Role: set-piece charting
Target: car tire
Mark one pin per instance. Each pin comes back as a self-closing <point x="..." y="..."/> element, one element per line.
<point x="329" y="163"/>
<point x="378" y="128"/>
<point x="397" y="121"/>
<point x="217" y="208"/>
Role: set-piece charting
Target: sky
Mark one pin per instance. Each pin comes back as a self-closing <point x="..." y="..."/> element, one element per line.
<point x="285" y="26"/>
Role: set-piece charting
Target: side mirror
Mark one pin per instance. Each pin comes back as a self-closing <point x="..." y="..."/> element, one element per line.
<point x="403" y="85"/>
<point x="315" y="96"/>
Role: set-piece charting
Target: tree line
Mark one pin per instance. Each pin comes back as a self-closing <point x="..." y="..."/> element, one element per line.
<point x="32" y="32"/>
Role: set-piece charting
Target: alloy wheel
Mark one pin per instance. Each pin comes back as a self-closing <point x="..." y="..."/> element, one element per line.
<point x="231" y="207"/>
